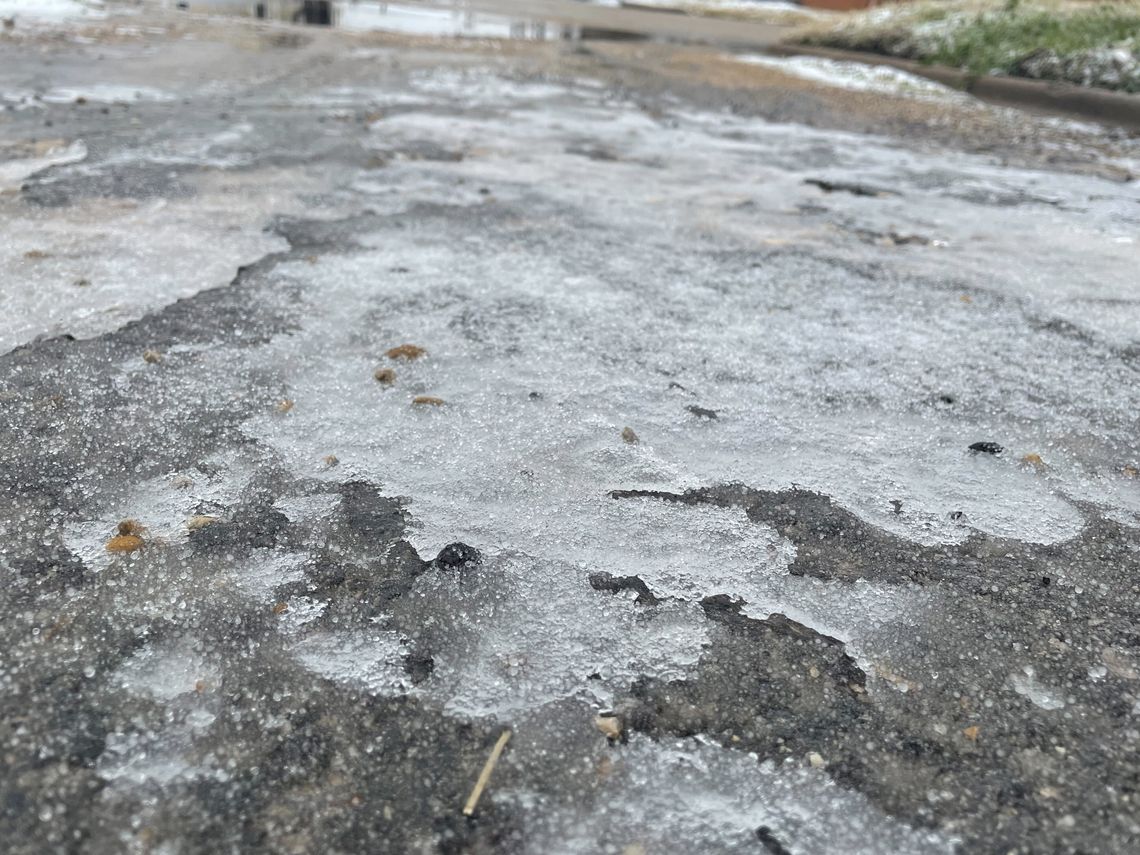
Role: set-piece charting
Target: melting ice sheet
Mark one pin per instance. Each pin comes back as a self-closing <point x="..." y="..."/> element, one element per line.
<point x="585" y="266"/>
<point x="714" y="801"/>
<point x="610" y="291"/>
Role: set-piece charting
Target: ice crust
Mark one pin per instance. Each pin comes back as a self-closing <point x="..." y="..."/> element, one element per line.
<point x="616" y="281"/>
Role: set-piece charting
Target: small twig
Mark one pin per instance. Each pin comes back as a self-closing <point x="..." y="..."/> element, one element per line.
<point x="485" y="775"/>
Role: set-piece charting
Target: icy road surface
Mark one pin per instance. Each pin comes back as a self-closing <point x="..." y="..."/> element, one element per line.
<point x="686" y="419"/>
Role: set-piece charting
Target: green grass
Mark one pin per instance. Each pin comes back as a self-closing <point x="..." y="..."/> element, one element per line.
<point x="999" y="40"/>
<point x="983" y="36"/>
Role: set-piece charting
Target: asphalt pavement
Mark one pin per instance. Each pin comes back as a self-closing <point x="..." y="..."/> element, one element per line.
<point x="753" y="441"/>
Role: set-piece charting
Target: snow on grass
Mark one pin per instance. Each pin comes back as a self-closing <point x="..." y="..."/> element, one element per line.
<point x="856" y="76"/>
<point x="1086" y="44"/>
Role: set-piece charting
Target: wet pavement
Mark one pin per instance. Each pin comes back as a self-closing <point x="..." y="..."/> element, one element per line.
<point x="758" y="449"/>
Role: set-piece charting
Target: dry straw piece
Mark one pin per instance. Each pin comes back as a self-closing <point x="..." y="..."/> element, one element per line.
<point x="485" y="775"/>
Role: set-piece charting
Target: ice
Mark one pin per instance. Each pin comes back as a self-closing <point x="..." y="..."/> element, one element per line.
<point x="103" y="262"/>
<point x="662" y="793"/>
<point x="1028" y="686"/>
<point x="180" y="675"/>
<point x="106" y="93"/>
<point x="167" y="672"/>
<point x="162" y="505"/>
<point x="511" y="649"/>
<point x="581" y="265"/>
<point x="600" y="339"/>
<point x="373" y="662"/>
<point x="53" y="153"/>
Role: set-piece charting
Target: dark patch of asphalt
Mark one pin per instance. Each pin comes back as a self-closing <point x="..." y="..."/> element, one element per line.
<point x="999" y="775"/>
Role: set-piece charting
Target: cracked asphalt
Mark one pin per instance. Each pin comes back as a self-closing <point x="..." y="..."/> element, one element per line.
<point x="760" y="453"/>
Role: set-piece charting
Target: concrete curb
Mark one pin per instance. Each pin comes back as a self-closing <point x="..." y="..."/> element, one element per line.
<point x="1111" y="108"/>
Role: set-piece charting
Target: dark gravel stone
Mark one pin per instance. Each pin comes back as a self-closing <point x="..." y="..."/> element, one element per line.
<point x="419" y="666"/>
<point x="257" y="525"/>
<point x="769" y="841"/>
<point x="458" y="556"/>
<point x="986" y="448"/>
<point x="614" y="584"/>
<point x="701" y="412"/>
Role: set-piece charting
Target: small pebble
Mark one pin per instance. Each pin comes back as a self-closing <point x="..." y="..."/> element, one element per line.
<point x="458" y="556"/>
<point x="816" y="760"/>
<point x="986" y="448"/>
<point x="610" y="725"/>
<point x="285" y="405"/>
<point x="1035" y="461"/>
<point x="701" y="412"/>
<point x="384" y="375"/>
<point x="406" y="351"/>
<point x="971" y="732"/>
<point x="629" y="436"/>
<point x="125" y="543"/>
<point x="152" y="356"/>
<point x="331" y="460"/>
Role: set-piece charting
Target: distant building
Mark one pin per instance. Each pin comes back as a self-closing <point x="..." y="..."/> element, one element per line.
<point x="296" y="11"/>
